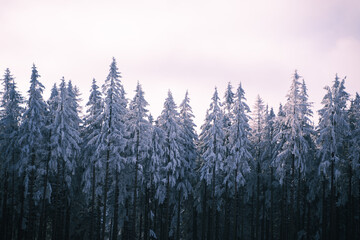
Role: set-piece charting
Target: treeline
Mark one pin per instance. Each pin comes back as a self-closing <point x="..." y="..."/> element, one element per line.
<point x="117" y="173"/>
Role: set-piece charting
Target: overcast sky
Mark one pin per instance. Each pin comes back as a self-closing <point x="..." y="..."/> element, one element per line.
<point x="184" y="45"/>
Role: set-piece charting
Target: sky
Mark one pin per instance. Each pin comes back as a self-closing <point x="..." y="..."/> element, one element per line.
<point x="193" y="45"/>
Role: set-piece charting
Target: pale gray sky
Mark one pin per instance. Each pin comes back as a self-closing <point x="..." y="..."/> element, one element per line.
<point x="184" y="44"/>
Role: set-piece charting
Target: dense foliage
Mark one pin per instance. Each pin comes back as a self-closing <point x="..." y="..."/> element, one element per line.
<point x="117" y="173"/>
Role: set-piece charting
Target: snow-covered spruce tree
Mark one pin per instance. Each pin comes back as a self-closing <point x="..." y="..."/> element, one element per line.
<point x="76" y="208"/>
<point x="47" y="165"/>
<point x="228" y="116"/>
<point x="257" y="165"/>
<point x="32" y="141"/>
<point x="268" y="157"/>
<point x="91" y="163"/>
<point x="65" y="140"/>
<point x="238" y="166"/>
<point x="293" y="154"/>
<point x="278" y="144"/>
<point x="212" y="154"/>
<point x="174" y="164"/>
<point x="154" y="175"/>
<point x="11" y="112"/>
<point x="188" y="176"/>
<point x="111" y="143"/>
<point x="353" y="166"/>
<point x="139" y="135"/>
<point x="333" y="131"/>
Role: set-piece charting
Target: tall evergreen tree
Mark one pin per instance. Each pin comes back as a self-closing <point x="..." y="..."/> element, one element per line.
<point x="91" y="163"/>
<point x="47" y="165"/>
<point x="228" y="117"/>
<point x="174" y="164"/>
<point x="65" y="142"/>
<point x="139" y="131"/>
<point x="258" y="165"/>
<point x="187" y="175"/>
<point x="154" y="175"/>
<point x="11" y="112"/>
<point x="238" y="166"/>
<point x="111" y="144"/>
<point x="333" y="131"/>
<point x="32" y="141"/>
<point x="212" y="140"/>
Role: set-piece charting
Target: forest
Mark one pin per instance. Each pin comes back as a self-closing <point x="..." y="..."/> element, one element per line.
<point x="115" y="172"/>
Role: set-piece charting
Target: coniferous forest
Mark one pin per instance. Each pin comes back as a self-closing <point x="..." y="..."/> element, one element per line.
<point x="119" y="173"/>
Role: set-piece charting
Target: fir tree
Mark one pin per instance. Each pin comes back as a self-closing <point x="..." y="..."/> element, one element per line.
<point x="138" y="144"/>
<point x="11" y="112"/>
<point x="65" y="140"/>
<point x="111" y="144"/>
<point x="212" y="140"/>
<point x="91" y="163"/>
<point x="333" y="131"/>
<point x="174" y="163"/>
<point x="238" y="166"/>
<point x="32" y="141"/>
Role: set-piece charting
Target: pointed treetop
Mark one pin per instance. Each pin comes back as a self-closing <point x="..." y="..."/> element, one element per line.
<point x="229" y="97"/>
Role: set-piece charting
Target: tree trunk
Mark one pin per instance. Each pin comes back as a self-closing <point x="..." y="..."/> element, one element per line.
<point x="98" y="219"/>
<point x="271" y="236"/>
<point x="125" y="234"/>
<point x="213" y="207"/>
<point x="178" y="217"/>
<point x="105" y="191"/>
<point x="226" y="235"/>
<point x="257" y="211"/>
<point x="308" y="222"/>
<point x="194" y="223"/>
<point x="217" y="227"/>
<point x="92" y="215"/>
<point x="22" y="200"/>
<point x="332" y="202"/>
<point x="5" y="216"/>
<point x="31" y="213"/>
<point x="166" y="224"/>
<point x="203" y="216"/>
<point x="263" y="215"/>
<point x="67" y="220"/>
<point x="133" y="222"/>
<point x="235" y="207"/>
<point x="349" y="211"/>
<point x="146" y="214"/>
<point x="292" y="201"/>
<point x="43" y="215"/>
<point x="116" y="207"/>
<point x="324" y="211"/>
